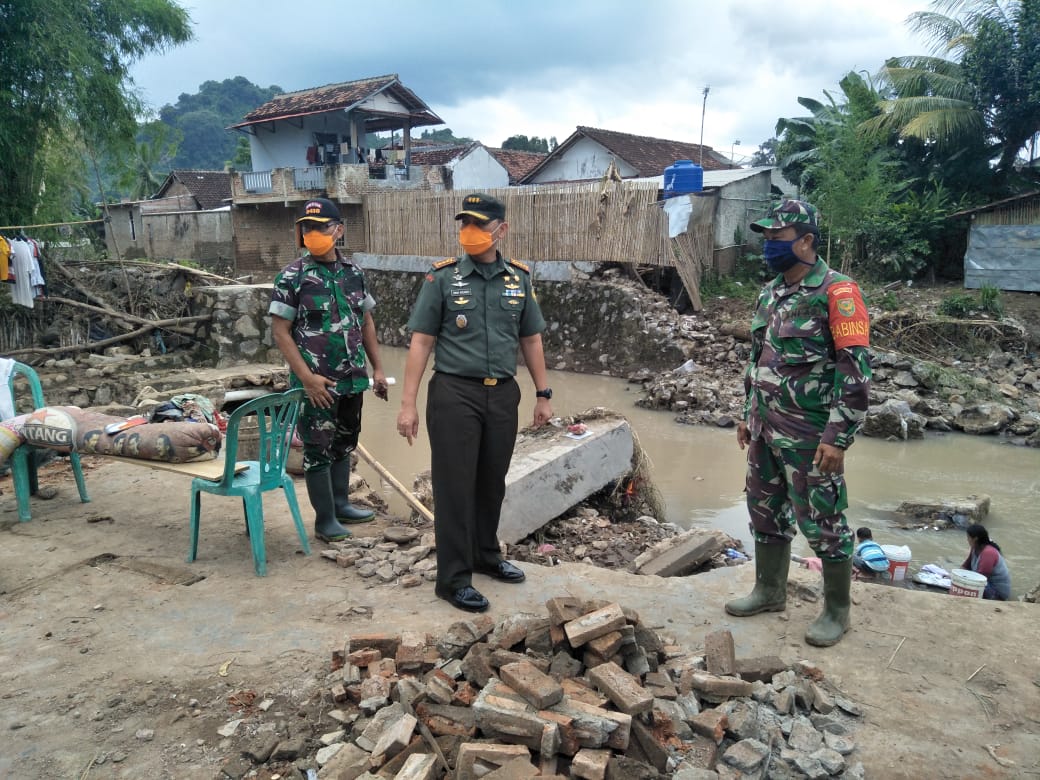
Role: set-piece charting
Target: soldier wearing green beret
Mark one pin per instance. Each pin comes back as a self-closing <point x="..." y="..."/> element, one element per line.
<point x="473" y="312"/>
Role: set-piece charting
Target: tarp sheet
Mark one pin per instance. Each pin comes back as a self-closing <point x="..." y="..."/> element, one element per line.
<point x="1003" y="256"/>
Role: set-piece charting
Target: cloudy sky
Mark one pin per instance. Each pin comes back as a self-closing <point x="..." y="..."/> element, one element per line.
<point x="496" y="68"/>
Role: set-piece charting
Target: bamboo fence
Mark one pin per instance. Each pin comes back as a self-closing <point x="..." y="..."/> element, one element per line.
<point x="618" y="222"/>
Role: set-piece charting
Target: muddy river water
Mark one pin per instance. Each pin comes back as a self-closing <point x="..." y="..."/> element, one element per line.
<point x="700" y="472"/>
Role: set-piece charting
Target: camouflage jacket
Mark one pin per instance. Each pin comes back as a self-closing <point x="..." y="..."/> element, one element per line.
<point x="326" y="304"/>
<point x="808" y="378"/>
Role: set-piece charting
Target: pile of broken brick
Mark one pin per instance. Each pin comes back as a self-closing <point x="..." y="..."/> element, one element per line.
<point x="588" y="691"/>
<point x="404" y="555"/>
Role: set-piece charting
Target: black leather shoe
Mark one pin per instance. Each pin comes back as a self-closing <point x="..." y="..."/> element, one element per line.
<point x="467" y="598"/>
<point x="505" y="572"/>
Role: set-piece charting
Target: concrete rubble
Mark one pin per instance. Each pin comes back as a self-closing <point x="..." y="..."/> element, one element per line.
<point x="404" y="555"/>
<point x="584" y="690"/>
<point x="554" y="470"/>
<point x="946" y="512"/>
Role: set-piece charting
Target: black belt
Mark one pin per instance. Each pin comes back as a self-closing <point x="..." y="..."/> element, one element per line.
<point x="487" y="381"/>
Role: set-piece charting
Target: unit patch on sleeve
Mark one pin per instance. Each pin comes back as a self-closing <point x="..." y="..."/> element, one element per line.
<point x="849" y="321"/>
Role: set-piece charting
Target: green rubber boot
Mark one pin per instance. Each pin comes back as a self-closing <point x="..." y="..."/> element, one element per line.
<point x="319" y="491"/>
<point x="828" y="628"/>
<point x="345" y="511"/>
<point x="772" y="562"/>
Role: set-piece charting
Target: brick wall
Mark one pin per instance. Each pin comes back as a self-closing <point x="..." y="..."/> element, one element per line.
<point x="265" y="237"/>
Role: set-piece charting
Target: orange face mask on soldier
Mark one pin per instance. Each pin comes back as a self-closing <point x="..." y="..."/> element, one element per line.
<point x="476" y="241"/>
<point x="319" y="243"/>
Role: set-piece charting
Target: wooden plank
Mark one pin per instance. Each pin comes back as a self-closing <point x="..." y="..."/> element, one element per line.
<point x="207" y="469"/>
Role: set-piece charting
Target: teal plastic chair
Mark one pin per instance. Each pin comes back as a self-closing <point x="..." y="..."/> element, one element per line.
<point x="23" y="459"/>
<point x="276" y="415"/>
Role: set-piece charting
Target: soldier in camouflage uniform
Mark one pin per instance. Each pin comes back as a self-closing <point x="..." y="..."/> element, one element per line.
<point x="321" y="317"/>
<point x="807" y="387"/>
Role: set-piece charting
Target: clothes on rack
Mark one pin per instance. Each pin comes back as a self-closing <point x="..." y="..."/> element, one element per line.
<point x="24" y="266"/>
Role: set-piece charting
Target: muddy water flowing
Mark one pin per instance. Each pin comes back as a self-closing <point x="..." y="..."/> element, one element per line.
<point x="700" y="472"/>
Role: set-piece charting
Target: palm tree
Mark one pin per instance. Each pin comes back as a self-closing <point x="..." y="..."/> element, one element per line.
<point x="979" y="89"/>
<point x="155" y="147"/>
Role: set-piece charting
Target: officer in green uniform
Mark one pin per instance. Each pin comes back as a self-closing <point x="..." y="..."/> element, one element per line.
<point x="472" y="313"/>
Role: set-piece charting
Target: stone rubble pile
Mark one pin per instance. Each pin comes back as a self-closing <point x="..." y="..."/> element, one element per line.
<point x="587" y="690"/>
<point x="393" y="557"/>
<point x="405" y="555"/>
<point x="998" y="393"/>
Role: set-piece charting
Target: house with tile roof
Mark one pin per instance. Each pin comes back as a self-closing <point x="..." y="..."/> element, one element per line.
<point x="588" y="152"/>
<point x="189" y="217"/>
<point x="312" y="142"/>
<point x="466" y="167"/>
<point x="518" y="163"/>
<point x="208" y="189"/>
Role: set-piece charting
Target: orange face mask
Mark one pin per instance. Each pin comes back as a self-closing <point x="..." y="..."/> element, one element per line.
<point x="476" y="241"/>
<point x="318" y="244"/>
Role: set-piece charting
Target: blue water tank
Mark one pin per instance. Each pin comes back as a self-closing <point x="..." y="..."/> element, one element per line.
<point x="682" y="178"/>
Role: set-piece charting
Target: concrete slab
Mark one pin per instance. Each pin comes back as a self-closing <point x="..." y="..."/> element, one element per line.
<point x="551" y="472"/>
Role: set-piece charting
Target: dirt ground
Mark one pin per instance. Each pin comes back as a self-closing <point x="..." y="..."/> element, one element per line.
<point x="120" y="660"/>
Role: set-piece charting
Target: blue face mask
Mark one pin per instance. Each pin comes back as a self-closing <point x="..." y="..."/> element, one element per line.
<point x="779" y="255"/>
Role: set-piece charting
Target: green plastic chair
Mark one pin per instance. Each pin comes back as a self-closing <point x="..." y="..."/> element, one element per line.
<point x="276" y="415"/>
<point x="23" y="459"/>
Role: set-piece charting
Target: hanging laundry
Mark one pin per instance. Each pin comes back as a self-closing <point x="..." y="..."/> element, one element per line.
<point x="5" y="254"/>
<point x="25" y="267"/>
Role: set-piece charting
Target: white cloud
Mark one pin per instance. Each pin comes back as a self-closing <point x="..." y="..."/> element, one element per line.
<point x="493" y="69"/>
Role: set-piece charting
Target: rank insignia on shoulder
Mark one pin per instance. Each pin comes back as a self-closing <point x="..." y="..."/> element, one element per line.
<point x="445" y="262"/>
<point x="522" y="266"/>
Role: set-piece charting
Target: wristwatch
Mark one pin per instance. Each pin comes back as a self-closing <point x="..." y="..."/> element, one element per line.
<point x="546" y="393"/>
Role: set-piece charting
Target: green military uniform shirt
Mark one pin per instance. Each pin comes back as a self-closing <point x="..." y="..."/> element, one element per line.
<point x="478" y="312"/>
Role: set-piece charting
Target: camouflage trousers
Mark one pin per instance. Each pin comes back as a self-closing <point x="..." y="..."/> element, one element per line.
<point x="783" y="487"/>
<point x="329" y="435"/>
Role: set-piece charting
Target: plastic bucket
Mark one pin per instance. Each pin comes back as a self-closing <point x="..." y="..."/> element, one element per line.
<point x="898" y="560"/>
<point x="967" y="583"/>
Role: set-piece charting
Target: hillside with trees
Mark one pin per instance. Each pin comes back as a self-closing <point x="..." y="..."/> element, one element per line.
<point x="199" y="121"/>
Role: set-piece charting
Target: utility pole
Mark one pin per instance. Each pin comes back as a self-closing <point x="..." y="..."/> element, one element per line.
<point x="704" y="108"/>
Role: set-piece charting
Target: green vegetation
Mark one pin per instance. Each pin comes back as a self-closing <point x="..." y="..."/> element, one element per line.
<point x="887" y="301"/>
<point x="66" y="94"/>
<point x="522" y="143"/>
<point x="990" y="300"/>
<point x="200" y="119"/>
<point x="445" y="136"/>
<point x="962" y="305"/>
<point x="743" y="284"/>
<point x="889" y="157"/>
<point x="957" y="305"/>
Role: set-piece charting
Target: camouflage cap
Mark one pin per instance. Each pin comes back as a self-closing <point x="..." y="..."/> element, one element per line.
<point x="786" y="213"/>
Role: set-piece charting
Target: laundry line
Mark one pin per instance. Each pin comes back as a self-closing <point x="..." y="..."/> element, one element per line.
<point x="51" y="224"/>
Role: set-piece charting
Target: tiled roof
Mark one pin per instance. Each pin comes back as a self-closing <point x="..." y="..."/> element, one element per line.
<point x="209" y="188"/>
<point x="439" y="156"/>
<point x="518" y="163"/>
<point x="336" y="97"/>
<point x="649" y="156"/>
